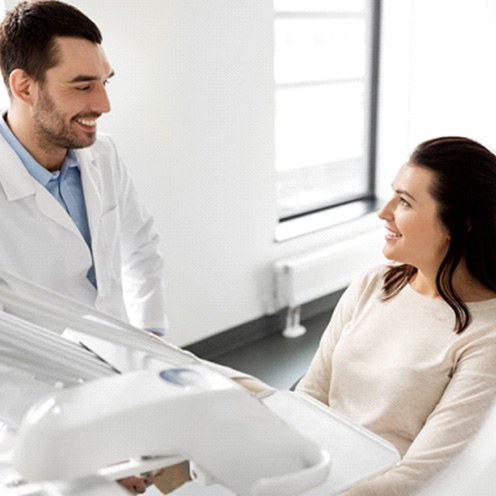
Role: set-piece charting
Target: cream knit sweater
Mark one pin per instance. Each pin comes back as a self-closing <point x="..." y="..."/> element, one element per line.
<point x="399" y="369"/>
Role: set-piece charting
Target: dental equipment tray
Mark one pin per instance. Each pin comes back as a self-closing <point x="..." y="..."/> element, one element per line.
<point x="356" y="453"/>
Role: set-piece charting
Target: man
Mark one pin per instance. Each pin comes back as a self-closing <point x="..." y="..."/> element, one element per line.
<point x="70" y="217"/>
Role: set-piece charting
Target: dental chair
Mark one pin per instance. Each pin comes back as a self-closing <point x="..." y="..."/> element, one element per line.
<point x="473" y="471"/>
<point x="93" y="400"/>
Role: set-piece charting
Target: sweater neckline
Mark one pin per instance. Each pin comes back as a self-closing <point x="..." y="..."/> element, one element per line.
<point x="483" y="304"/>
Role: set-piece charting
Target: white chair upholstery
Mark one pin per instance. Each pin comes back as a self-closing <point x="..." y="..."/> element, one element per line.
<point x="473" y="472"/>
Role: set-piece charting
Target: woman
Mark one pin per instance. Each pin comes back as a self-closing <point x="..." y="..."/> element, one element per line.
<point x="410" y="351"/>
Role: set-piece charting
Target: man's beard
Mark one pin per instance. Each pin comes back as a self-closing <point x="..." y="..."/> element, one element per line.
<point x="51" y="129"/>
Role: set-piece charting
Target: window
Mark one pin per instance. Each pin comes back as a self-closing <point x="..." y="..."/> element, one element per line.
<point x="326" y="63"/>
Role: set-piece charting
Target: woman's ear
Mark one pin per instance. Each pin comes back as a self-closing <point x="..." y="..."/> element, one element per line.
<point x="21" y="86"/>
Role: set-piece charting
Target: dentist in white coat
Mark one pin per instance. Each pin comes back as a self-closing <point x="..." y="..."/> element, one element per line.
<point x="70" y="219"/>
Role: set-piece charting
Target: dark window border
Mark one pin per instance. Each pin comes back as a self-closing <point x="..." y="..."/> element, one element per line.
<point x="367" y="202"/>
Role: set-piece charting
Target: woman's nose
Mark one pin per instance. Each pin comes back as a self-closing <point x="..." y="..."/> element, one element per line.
<point x="385" y="213"/>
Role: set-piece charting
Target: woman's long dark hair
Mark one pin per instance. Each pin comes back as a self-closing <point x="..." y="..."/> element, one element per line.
<point x="464" y="187"/>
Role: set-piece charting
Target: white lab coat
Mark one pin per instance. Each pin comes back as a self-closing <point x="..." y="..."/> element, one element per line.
<point x="40" y="242"/>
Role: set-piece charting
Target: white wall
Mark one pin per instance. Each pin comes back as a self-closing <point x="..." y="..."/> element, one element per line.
<point x="438" y="75"/>
<point x="193" y="118"/>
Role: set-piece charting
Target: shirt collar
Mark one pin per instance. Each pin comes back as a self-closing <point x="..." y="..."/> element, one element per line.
<point x="42" y="175"/>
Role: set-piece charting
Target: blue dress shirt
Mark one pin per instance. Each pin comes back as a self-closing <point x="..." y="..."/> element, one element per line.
<point x="65" y="185"/>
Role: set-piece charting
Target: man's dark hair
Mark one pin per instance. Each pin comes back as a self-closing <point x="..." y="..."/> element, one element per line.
<point x="27" y="35"/>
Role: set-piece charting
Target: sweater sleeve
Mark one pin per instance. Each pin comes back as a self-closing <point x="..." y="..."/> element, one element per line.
<point x="317" y="379"/>
<point x="458" y="415"/>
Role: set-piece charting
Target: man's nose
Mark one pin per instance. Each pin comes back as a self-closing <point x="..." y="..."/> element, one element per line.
<point x="101" y="102"/>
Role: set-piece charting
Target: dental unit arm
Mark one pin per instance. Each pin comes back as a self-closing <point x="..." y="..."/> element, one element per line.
<point x="154" y="419"/>
<point x="131" y="403"/>
<point x="191" y="412"/>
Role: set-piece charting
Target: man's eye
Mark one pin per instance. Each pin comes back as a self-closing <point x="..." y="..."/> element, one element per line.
<point x="83" y="88"/>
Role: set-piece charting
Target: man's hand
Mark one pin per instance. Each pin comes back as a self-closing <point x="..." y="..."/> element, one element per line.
<point x="135" y="484"/>
<point x="170" y="478"/>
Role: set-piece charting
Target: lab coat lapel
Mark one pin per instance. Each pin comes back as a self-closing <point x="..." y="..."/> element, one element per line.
<point x="90" y="178"/>
<point x="93" y="196"/>
<point x="50" y="207"/>
<point x="15" y="179"/>
<point x="19" y="184"/>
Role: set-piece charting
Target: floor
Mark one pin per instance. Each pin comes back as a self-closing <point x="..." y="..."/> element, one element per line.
<point x="278" y="361"/>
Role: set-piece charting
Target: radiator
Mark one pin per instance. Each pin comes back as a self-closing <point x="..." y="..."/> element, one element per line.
<point x="299" y="280"/>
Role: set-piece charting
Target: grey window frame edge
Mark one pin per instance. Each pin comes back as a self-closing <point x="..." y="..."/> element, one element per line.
<point x="313" y="221"/>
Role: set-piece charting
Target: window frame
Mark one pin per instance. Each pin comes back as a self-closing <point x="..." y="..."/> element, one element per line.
<point x="363" y="202"/>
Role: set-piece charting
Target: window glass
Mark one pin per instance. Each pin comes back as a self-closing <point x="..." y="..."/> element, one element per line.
<point x="324" y="96"/>
<point x="309" y="50"/>
<point x="319" y="124"/>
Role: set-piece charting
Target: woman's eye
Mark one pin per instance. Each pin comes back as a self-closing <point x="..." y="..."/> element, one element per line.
<point x="404" y="203"/>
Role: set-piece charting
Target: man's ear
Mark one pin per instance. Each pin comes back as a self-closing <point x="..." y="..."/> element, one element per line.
<point x="22" y="86"/>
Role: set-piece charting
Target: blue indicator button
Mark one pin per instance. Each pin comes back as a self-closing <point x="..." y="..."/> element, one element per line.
<point x="180" y="376"/>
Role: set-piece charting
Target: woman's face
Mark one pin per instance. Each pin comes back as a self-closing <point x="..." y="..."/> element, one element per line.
<point x="414" y="232"/>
